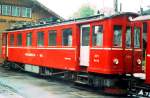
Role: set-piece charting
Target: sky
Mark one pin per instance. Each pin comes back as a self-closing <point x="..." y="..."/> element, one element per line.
<point x="66" y="8"/>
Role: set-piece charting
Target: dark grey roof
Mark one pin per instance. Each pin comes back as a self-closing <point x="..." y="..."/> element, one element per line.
<point x="147" y="12"/>
<point x="47" y="9"/>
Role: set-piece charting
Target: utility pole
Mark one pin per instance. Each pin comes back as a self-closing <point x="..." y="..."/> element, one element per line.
<point x="120" y="7"/>
<point x="116" y="6"/>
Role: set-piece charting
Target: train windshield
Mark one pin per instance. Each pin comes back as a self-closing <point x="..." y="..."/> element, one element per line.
<point x="137" y="37"/>
<point x="128" y="37"/>
<point x="97" y="38"/>
<point x="117" y="36"/>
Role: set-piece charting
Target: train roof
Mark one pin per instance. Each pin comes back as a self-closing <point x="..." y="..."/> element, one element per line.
<point x="77" y="21"/>
<point x="142" y="18"/>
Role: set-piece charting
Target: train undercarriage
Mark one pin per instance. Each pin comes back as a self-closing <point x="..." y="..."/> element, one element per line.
<point x="108" y="84"/>
<point x="138" y="88"/>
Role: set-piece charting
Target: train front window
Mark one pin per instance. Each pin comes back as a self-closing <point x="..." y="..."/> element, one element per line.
<point x="117" y="36"/>
<point x="67" y="37"/>
<point x="52" y="38"/>
<point x="97" y="36"/>
<point x="11" y="39"/>
<point x="136" y="37"/>
<point x="40" y="39"/>
<point x="29" y="39"/>
<point x="128" y="37"/>
<point x="19" y="40"/>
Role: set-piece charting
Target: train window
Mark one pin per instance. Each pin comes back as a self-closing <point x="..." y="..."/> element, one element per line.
<point x="67" y="37"/>
<point x="128" y="37"/>
<point x="97" y="37"/>
<point x="40" y="40"/>
<point x="85" y="36"/>
<point x="144" y="27"/>
<point x="52" y="38"/>
<point x="137" y="37"/>
<point x="11" y="39"/>
<point x="117" y="36"/>
<point x="29" y="39"/>
<point x="4" y="39"/>
<point x="19" y="39"/>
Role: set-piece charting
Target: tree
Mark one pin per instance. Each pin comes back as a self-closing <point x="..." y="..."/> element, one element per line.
<point x="84" y="11"/>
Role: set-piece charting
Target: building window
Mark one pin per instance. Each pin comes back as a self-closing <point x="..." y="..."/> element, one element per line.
<point x="29" y="39"/>
<point x="97" y="38"/>
<point x="26" y="12"/>
<point x="67" y="37"/>
<point x="19" y="40"/>
<point x="12" y="40"/>
<point x="0" y="9"/>
<point x="117" y="36"/>
<point x="52" y="38"/>
<point x="6" y="10"/>
<point x="40" y="40"/>
<point x="15" y="11"/>
<point x="137" y="37"/>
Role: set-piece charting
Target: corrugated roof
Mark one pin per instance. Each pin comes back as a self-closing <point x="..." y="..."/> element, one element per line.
<point x="47" y="9"/>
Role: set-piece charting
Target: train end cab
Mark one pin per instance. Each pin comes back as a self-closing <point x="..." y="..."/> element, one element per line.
<point x="115" y="46"/>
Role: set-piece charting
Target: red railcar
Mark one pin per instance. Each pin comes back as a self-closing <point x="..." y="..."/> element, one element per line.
<point x="103" y="48"/>
<point x="140" y="85"/>
<point x="145" y="21"/>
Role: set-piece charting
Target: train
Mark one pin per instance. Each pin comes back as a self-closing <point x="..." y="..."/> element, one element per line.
<point x="104" y="52"/>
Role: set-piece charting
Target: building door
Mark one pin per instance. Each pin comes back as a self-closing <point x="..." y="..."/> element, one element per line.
<point x="84" y="45"/>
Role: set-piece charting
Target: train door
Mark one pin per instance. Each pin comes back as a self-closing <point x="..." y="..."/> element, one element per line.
<point x="84" y="45"/>
<point x="144" y="39"/>
<point x="128" y="49"/>
<point x="4" y="45"/>
<point x="137" y="48"/>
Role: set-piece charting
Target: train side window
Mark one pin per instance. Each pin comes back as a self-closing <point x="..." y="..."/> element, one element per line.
<point x="97" y="36"/>
<point x="19" y="39"/>
<point x="67" y="37"/>
<point x="117" y="36"/>
<point x="4" y="39"/>
<point x="128" y="37"/>
<point x="11" y="39"/>
<point x="52" y="38"/>
<point x="40" y="39"/>
<point x="136" y="37"/>
<point x="29" y="39"/>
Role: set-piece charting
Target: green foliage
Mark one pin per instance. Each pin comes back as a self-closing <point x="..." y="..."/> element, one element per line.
<point x="84" y="11"/>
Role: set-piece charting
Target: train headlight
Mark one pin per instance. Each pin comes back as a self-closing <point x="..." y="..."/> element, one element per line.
<point x="116" y="61"/>
<point x="139" y="61"/>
